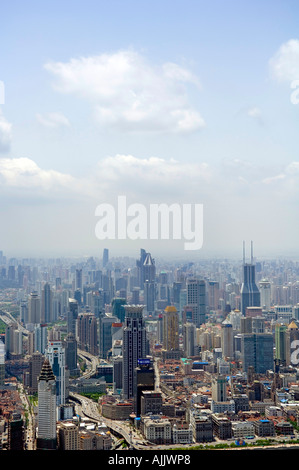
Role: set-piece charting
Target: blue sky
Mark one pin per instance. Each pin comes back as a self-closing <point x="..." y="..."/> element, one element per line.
<point x="163" y="101"/>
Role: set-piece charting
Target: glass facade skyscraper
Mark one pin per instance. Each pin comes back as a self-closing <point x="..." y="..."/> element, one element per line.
<point x="134" y="346"/>
<point x="250" y="294"/>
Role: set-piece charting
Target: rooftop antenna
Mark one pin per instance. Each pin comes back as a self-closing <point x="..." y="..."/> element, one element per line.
<point x="251" y="252"/>
<point x="243" y="252"/>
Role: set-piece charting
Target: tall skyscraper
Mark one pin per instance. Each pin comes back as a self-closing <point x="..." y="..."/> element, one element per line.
<point x="55" y="353"/>
<point x="16" y="433"/>
<point x="71" y="356"/>
<point x="196" y="298"/>
<point x="105" y="335"/>
<point x="265" y="292"/>
<point x="257" y="352"/>
<point x="35" y="366"/>
<point x="144" y="379"/>
<point x="46" y="304"/>
<point x="88" y="333"/>
<point x="250" y="295"/>
<point x="227" y="340"/>
<point x="171" y="329"/>
<point x="40" y="338"/>
<point x="149" y="269"/>
<point x="105" y="257"/>
<point x="118" y="310"/>
<point x="46" y="421"/>
<point x="149" y="296"/>
<point x="134" y="346"/>
<point x="139" y="264"/>
<point x="189" y="338"/>
<point x="72" y="316"/>
<point x="219" y="384"/>
<point x="281" y="343"/>
<point x="34" y="308"/>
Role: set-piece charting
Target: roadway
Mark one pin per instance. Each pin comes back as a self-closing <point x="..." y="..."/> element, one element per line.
<point x="117" y="427"/>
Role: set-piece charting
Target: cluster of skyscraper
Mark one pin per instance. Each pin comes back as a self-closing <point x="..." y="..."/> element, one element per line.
<point x="123" y="317"/>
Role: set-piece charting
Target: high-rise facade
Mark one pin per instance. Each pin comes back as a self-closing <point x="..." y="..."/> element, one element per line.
<point x="35" y="366"/>
<point x="71" y="356"/>
<point x="46" y="421"/>
<point x="149" y="269"/>
<point x="46" y="304"/>
<point x="219" y="385"/>
<point x="281" y="343"/>
<point x="118" y="310"/>
<point x="196" y="299"/>
<point x="265" y="292"/>
<point x="16" y="432"/>
<point x="34" y="308"/>
<point x="72" y="316"/>
<point x="105" y="334"/>
<point x="171" y="329"/>
<point x="149" y="296"/>
<point x="55" y="353"/>
<point x="105" y="257"/>
<point x="134" y="346"/>
<point x="140" y="271"/>
<point x="88" y="333"/>
<point x="227" y="340"/>
<point x="257" y="352"/>
<point x="144" y="379"/>
<point x="40" y="338"/>
<point x="250" y="294"/>
<point x="189" y="338"/>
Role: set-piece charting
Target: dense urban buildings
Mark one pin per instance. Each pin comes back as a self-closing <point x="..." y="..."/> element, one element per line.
<point x="179" y="353"/>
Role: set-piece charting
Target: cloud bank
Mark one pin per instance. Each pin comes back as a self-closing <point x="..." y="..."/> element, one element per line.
<point x="129" y="93"/>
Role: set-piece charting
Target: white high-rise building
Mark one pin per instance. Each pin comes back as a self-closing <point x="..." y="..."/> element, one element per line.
<point x="40" y="338"/>
<point x="265" y="292"/>
<point x="55" y="353"/>
<point x="46" y="421"/>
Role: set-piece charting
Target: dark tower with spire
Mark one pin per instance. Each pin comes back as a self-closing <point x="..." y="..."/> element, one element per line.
<point x="250" y="294"/>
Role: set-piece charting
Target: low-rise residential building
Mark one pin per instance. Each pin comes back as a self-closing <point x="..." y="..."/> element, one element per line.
<point x="94" y="440"/>
<point x="157" y="430"/>
<point x="202" y="427"/>
<point x="116" y="410"/>
<point x="264" y="427"/>
<point x="242" y="429"/>
<point x="222" y="426"/>
<point x="284" y="428"/>
<point x="182" y="433"/>
<point x="68" y="436"/>
<point x="223" y="406"/>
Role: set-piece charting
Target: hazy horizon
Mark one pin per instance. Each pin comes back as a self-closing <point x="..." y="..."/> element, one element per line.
<point x="164" y="102"/>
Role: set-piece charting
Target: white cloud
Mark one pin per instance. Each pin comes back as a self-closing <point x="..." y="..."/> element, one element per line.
<point x="284" y="65"/>
<point x="53" y="120"/>
<point x="129" y="93"/>
<point x="5" y="134"/>
<point x="152" y="178"/>
<point x="25" y="173"/>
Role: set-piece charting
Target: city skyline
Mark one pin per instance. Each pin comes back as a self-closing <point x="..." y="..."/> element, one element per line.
<point x="172" y="102"/>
